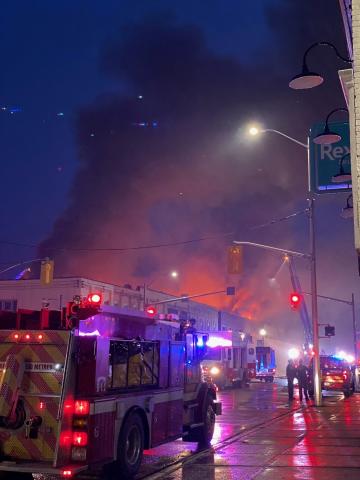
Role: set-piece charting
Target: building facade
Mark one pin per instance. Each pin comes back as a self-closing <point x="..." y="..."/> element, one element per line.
<point x="31" y="294"/>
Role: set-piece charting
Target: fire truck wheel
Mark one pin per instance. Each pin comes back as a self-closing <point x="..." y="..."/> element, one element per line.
<point x="130" y="446"/>
<point x="206" y="432"/>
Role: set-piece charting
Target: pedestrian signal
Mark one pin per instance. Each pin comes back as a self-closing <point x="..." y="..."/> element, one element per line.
<point x="235" y="260"/>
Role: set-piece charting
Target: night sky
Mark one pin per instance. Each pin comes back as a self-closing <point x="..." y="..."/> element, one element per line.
<point x="124" y="126"/>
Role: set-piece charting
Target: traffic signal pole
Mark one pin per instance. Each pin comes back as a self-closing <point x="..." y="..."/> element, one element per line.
<point x="314" y="306"/>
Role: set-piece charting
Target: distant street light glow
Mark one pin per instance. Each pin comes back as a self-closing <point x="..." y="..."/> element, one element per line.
<point x="293" y="353"/>
<point x="262" y="332"/>
<point x="254" y="131"/>
<point x="174" y="274"/>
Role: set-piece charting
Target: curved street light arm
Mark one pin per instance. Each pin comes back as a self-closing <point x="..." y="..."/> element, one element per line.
<point x="324" y="44"/>
<point x="341" y="162"/>
<point x="21" y="263"/>
<point x="332" y="112"/>
<point x="305" y="145"/>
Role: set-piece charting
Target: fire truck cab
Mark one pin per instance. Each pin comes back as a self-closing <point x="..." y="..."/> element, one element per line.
<point x="229" y="361"/>
<point x="98" y="391"/>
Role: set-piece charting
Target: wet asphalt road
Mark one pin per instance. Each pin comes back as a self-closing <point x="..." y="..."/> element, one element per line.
<point x="257" y="426"/>
<point x="243" y="410"/>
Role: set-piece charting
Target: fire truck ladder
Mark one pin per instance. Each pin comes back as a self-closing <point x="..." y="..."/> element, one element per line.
<point x="304" y="315"/>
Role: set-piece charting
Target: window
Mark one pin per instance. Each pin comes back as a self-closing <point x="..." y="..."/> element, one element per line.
<point x="8" y="305"/>
<point x="134" y="364"/>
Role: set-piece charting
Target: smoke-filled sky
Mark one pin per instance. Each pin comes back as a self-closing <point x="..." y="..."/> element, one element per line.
<point x="125" y="126"/>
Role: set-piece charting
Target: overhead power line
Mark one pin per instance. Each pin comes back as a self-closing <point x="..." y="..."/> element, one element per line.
<point x="156" y="245"/>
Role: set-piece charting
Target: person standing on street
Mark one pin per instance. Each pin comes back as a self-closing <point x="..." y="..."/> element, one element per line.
<point x="302" y="375"/>
<point x="290" y="375"/>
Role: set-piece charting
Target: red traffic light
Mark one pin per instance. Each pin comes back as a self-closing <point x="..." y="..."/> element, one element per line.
<point x="151" y="311"/>
<point x="295" y="300"/>
<point x="94" y="298"/>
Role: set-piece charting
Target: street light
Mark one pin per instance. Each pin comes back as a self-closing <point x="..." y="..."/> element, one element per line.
<point x="254" y="131"/>
<point x="327" y="137"/>
<point x="307" y="79"/>
<point x="173" y="274"/>
<point x="342" y="176"/>
<point x="312" y="258"/>
<point x="262" y="332"/>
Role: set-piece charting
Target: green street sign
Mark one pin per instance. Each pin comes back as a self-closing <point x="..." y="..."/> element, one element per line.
<point x="325" y="159"/>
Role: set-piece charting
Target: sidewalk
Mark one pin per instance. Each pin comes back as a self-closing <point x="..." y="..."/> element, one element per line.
<point x="310" y="443"/>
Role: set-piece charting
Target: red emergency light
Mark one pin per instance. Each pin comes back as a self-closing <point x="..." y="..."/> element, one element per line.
<point x="82" y="407"/>
<point x="151" y="311"/>
<point x="295" y="300"/>
<point x="80" y="439"/>
<point x="94" y="298"/>
<point x="66" y="473"/>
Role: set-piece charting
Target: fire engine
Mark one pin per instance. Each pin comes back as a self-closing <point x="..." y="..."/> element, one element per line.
<point x="96" y="387"/>
<point x="265" y="364"/>
<point x="230" y="360"/>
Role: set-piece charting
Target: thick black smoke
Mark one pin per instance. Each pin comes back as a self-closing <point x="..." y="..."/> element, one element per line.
<point x="166" y="159"/>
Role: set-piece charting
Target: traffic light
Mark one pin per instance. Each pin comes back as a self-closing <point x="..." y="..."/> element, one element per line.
<point x="72" y="314"/>
<point x="47" y="272"/>
<point x="235" y="260"/>
<point x="329" y="331"/>
<point x="295" y="300"/>
<point x="81" y="309"/>
<point x="151" y="311"/>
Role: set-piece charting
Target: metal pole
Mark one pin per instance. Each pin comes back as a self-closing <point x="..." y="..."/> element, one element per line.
<point x="314" y="307"/>
<point x="354" y="327"/>
<point x="305" y="145"/>
<point x="144" y="295"/>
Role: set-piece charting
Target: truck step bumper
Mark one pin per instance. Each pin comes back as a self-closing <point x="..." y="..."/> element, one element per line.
<point x="44" y="468"/>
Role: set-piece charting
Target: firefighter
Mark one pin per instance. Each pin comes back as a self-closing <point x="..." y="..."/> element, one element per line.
<point x="290" y="375"/>
<point x="302" y="375"/>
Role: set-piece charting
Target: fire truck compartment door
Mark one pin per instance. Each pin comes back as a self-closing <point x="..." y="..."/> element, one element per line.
<point x="33" y="363"/>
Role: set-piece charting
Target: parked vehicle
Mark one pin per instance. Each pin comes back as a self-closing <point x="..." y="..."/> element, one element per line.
<point x="98" y="389"/>
<point x="336" y="375"/>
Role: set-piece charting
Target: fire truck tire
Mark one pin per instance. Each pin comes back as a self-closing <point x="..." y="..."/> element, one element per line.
<point x="207" y="431"/>
<point x="130" y="446"/>
<point x="204" y="434"/>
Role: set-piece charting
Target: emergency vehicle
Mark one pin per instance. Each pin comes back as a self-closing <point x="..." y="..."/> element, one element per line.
<point x="96" y="387"/>
<point x="230" y="360"/>
<point x="265" y="364"/>
<point x="336" y="375"/>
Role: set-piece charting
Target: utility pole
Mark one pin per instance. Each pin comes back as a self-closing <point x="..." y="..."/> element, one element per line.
<point x="314" y="307"/>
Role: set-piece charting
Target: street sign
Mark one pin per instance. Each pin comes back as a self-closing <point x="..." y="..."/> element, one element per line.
<point x="325" y="159"/>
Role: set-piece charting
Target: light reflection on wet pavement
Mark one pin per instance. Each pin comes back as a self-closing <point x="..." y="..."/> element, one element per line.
<point x="307" y="444"/>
